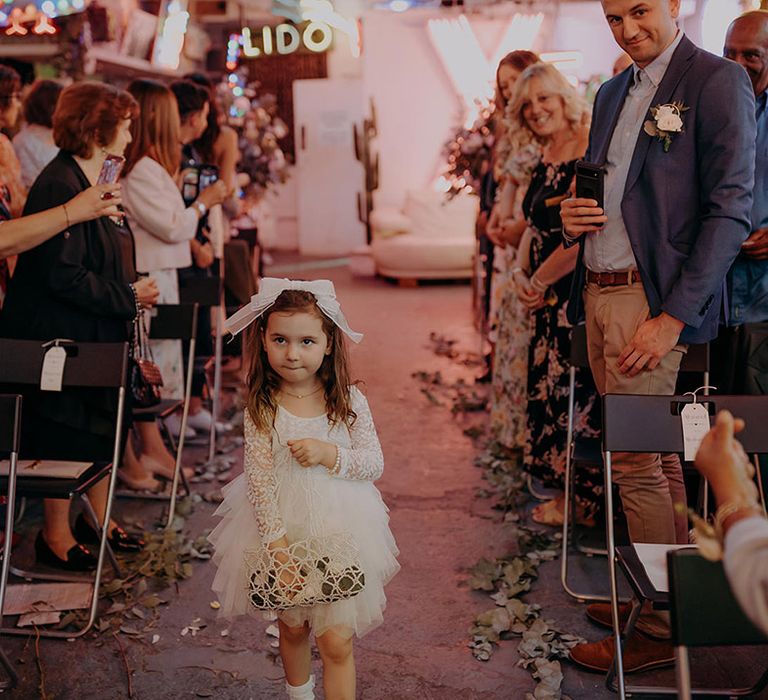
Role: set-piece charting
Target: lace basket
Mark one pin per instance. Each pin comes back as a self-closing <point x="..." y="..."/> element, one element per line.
<point x="315" y="571"/>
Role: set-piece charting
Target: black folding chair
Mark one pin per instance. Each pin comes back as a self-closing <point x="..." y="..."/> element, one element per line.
<point x="634" y="423"/>
<point x="171" y="322"/>
<point x="705" y="612"/>
<point x="588" y="452"/>
<point x="10" y="436"/>
<point x="102" y="365"/>
<point x="208" y="293"/>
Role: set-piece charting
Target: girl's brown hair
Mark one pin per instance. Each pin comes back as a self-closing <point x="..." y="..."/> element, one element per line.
<point x="156" y="132"/>
<point x="264" y="382"/>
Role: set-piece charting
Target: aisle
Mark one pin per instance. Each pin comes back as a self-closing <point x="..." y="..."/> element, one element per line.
<point x="441" y="526"/>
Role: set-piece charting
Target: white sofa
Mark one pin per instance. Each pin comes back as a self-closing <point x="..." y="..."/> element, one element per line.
<point x="431" y="238"/>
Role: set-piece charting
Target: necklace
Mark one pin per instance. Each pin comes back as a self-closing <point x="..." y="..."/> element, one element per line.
<point x="301" y="396"/>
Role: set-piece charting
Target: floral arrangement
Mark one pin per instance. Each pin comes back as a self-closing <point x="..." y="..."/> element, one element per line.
<point x="468" y="154"/>
<point x="259" y="128"/>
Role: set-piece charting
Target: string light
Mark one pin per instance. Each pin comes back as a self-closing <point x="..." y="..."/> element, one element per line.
<point x="43" y="25"/>
<point x="16" y="28"/>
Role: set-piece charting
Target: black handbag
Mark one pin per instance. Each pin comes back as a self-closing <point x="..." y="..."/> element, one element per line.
<point x="146" y="379"/>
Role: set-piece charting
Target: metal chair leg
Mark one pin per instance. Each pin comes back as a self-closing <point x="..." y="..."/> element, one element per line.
<point x="682" y="673"/>
<point x="218" y="355"/>
<point x="178" y="471"/>
<point x="12" y="678"/>
<point x="618" y="661"/>
<point x="569" y="503"/>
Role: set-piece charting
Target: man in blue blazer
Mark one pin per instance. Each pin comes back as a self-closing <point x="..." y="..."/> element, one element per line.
<point x="675" y="133"/>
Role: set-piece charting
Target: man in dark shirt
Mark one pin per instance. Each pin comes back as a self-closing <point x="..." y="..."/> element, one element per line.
<point x="740" y="354"/>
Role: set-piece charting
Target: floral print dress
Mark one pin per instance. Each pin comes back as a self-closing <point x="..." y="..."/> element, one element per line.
<point x="510" y="323"/>
<point x="550" y="349"/>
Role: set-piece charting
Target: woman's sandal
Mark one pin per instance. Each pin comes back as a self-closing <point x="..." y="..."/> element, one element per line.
<point x="160" y="471"/>
<point x="148" y="483"/>
<point x="550" y="513"/>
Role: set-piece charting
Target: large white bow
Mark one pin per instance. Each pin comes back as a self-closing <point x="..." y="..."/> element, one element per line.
<point x="271" y="287"/>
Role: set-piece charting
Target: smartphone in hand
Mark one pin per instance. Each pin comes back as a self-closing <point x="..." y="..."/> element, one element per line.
<point x="590" y="180"/>
<point x="110" y="170"/>
<point x="208" y="175"/>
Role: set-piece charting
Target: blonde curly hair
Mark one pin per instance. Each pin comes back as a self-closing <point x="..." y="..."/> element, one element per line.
<point x="576" y="109"/>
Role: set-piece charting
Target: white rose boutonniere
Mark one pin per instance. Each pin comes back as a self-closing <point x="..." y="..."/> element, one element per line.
<point x="667" y="121"/>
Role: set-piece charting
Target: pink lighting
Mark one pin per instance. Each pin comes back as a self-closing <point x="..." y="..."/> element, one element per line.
<point x="470" y="70"/>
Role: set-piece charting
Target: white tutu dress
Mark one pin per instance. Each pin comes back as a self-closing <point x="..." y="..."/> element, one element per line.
<point x="276" y="496"/>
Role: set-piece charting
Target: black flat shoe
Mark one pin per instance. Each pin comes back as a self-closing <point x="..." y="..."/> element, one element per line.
<point x="119" y="540"/>
<point x="79" y="558"/>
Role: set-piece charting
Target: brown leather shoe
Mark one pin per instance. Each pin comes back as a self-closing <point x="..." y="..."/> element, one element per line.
<point x="600" y="614"/>
<point x="641" y="653"/>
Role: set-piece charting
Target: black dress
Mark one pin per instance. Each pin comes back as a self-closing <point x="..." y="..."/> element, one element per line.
<point x="76" y="286"/>
<point x="548" y="381"/>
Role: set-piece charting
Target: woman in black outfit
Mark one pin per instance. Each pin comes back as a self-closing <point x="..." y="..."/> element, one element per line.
<point x="547" y="105"/>
<point x="80" y="285"/>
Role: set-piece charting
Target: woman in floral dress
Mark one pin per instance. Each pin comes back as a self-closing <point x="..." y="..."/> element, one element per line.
<point x="547" y="105"/>
<point x="516" y="153"/>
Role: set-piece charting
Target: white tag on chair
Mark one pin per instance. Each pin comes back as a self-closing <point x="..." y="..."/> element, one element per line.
<point x="695" y="419"/>
<point x="53" y="369"/>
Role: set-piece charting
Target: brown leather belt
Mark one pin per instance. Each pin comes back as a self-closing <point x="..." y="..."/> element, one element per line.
<point x="613" y="279"/>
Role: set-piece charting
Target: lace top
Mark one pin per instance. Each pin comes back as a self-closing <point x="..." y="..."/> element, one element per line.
<point x="265" y="457"/>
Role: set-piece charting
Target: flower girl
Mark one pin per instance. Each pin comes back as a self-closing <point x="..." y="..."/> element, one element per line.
<point x="304" y="532"/>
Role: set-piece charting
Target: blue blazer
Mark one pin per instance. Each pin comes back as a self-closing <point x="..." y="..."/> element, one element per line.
<point x="687" y="211"/>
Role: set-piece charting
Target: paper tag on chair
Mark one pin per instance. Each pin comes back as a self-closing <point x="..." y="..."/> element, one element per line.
<point x="53" y="369"/>
<point x="695" y="420"/>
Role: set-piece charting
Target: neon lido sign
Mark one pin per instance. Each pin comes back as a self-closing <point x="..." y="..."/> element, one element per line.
<point x="315" y="36"/>
<point x="312" y="26"/>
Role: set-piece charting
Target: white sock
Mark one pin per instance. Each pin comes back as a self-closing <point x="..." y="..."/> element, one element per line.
<point x="301" y="692"/>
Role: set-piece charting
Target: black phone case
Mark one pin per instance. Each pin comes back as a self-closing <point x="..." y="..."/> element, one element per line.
<point x="589" y="182"/>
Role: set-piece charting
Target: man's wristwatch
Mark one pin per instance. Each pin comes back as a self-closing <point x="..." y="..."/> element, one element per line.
<point x="201" y="208"/>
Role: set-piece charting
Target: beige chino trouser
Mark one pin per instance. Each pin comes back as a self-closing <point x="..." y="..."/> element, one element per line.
<point x="649" y="483"/>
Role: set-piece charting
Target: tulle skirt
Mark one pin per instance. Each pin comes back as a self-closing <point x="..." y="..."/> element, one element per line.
<point x="311" y="503"/>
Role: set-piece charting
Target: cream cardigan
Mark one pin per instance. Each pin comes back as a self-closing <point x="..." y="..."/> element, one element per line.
<point x="162" y="226"/>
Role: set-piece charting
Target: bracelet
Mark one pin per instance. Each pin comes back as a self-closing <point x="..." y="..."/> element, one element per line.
<point x="517" y="269"/>
<point x="333" y="471"/>
<point x="537" y="284"/>
<point x="726" y="510"/>
<point x="66" y="214"/>
<point x="136" y="301"/>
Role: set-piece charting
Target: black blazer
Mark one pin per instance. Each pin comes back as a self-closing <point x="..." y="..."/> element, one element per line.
<point x="75" y="286"/>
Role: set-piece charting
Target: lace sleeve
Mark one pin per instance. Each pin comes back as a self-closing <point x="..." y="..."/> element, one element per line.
<point x="262" y="486"/>
<point x="364" y="460"/>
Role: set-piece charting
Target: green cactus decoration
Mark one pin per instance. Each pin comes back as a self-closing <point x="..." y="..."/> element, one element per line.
<point x="363" y="139"/>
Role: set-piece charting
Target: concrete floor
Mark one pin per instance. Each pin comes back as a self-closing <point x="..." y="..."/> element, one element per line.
<point x="441" y="527"/>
